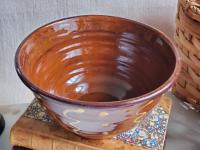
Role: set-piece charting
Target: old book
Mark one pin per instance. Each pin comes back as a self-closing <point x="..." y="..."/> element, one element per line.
<point x="35" y="130"/>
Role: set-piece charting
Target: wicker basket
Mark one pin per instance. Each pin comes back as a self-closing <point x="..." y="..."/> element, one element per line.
<point x="187" y="39"/>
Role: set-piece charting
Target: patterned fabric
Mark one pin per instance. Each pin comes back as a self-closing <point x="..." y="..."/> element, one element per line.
<point x="149" y="133"/>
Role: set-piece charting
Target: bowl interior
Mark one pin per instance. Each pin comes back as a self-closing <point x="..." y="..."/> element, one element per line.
<point x="96" y="58"/>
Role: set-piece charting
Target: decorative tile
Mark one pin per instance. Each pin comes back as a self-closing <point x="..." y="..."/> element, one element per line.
<point x="35" y="111"/>
<point x="148" y="133"/>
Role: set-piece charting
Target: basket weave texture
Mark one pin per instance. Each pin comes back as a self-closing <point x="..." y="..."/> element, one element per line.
<point x="187" y="39"/>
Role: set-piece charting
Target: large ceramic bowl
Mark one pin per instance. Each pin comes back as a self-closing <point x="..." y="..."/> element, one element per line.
<point x="97" y="76"/>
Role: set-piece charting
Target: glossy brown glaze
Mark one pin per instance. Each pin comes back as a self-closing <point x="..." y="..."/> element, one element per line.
<point x="96" y="75"/>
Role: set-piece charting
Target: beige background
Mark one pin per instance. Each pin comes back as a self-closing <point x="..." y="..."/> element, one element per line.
<point x="20" y="17"/>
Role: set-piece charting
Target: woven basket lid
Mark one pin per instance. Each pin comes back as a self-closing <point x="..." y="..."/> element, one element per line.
<point x="191" y="8"/>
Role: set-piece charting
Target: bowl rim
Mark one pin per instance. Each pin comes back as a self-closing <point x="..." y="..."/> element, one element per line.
<point x="121" y="103"/>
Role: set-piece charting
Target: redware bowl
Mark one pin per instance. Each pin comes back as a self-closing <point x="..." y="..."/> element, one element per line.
<point x="97" y="76"/>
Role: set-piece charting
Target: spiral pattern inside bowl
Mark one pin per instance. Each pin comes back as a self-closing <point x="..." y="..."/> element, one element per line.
<point x="96" y="59"/>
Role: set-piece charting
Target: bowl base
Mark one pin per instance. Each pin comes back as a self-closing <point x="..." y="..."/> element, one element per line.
<point x="98" y="97"/>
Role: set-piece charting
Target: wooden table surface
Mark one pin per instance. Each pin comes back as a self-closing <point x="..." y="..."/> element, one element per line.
<point x="183" y="129"/>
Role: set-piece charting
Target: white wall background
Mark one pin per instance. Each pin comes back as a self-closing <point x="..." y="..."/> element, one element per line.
<point x="20" y="17"/>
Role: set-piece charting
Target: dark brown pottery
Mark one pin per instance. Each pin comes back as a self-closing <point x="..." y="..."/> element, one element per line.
<point x="97" y="76"/>
<point x="2" y="124"/>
